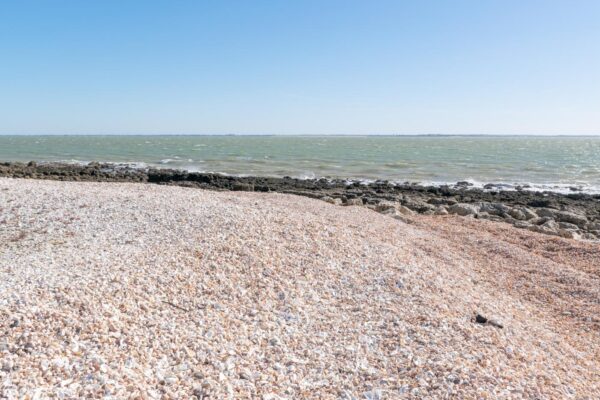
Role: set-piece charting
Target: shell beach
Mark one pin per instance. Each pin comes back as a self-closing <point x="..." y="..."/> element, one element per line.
<point x="133" y="291"/>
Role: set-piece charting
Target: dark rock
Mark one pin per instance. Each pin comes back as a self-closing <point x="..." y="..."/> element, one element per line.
<point x="480" y="319"/>
<point x="539" y="203"/>
<point x="243" y="187"/>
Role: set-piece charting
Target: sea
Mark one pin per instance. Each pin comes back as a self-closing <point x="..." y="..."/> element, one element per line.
<point x="554" y="163"/>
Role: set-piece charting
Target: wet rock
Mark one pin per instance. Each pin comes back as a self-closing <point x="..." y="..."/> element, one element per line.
<point x="437" y="201"/>
<point x="539" y="203"/>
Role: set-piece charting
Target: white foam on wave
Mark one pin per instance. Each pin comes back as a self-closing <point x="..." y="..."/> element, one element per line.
<point x="562" y="188"/>
<point x="71" y="162"/>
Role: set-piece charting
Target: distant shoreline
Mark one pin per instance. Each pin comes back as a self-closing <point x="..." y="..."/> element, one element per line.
<point x="320" y="135"/>
<point x="569" y="215"/>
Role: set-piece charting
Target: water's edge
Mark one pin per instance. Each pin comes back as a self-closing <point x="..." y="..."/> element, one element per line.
<point x="568" y="215"/>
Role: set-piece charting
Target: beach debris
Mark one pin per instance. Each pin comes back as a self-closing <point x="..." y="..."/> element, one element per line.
<point x="176" y="306"/>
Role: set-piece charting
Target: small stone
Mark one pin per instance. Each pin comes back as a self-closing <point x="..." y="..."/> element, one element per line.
<point x="198" y="375"/>
<point x="480" y="319"/>
<point x="7" y="366"/>
<point x="245" y="374"/>
<point x="372" y="395"/>
<point x="198" y="392"/>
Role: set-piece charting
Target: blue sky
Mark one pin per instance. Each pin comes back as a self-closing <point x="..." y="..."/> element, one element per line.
<point x="300" y="67"/>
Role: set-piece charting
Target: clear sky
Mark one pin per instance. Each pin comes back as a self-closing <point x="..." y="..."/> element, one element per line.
<point x="300" y="67"/>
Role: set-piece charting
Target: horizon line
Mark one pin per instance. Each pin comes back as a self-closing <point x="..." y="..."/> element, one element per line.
<point x="316" y="134"/>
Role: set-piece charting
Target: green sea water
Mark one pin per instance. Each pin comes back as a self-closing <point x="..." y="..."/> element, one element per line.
<point x="554" y="163"/>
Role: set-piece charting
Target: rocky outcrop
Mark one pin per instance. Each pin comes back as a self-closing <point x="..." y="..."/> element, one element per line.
<point x="562" y="223"/>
